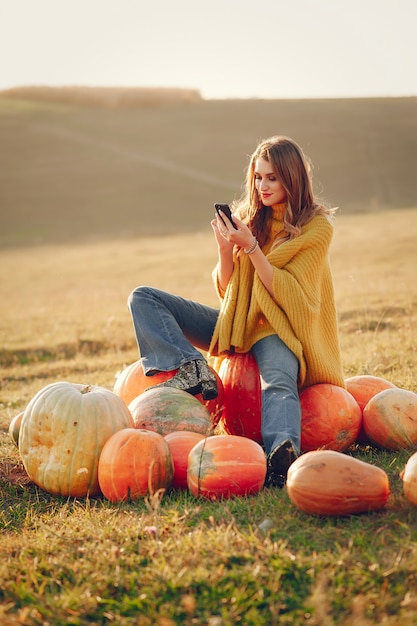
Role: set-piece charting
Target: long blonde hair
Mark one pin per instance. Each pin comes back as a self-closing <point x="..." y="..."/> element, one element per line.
<point x="293" y="170"/>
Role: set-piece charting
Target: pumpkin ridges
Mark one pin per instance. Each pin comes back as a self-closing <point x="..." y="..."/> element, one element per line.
<point x="390" y="419"/>
<point x="83" y="404"/>
<point x="132" y="382"/>
<point x="165" y="410"/>
<point x="54" y="407"/>
<point x="226" y="466"/>
<point x="14" y="428"/>
<point x="409" y="479"/>
<point x="103" y="411"/>
<point x="124" y="459"/>
<point x="330" y="418"/>
<point x="73" y="478"/>
<point x="180" y="444"/>
<point x="48" y="432"/>
<point x="242" y="395"/>
<point x="199" y="458"/>
<point x="363" y="387"/>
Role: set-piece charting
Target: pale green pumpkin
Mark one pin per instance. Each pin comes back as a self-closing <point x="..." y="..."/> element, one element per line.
<point x="14" y="428"/>
<point x="63" y="430"/>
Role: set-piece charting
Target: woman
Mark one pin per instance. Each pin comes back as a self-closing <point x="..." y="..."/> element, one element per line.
<point x="274" y="282"/>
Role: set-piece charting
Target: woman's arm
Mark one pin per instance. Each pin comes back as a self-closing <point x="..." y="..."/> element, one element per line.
<point x="264" y="269"/>
<point x="225" y="252"/>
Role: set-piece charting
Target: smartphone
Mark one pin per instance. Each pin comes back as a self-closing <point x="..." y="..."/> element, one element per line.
<point x="224" y="208"/>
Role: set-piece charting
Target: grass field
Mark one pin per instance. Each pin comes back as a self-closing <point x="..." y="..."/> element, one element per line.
<point x="94" y="202"/>
<point x="87" y="561"/>
<point x="70" y="172"/>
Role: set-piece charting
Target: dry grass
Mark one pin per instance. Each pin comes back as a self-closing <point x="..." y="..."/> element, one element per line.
<point x="66" y="308"/>
<point x="373" y="260"/>
<point x="64" y="317"/>
<point x="69" y="172"/>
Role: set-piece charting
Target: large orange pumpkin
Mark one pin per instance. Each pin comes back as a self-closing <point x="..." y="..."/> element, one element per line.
<point x="390" y="419"/>
<point x="327" y="482"/>
<point x="364" y="387"/>
<point x="165" y="410"/>
<point x="131" y="382"/>
<point x="63" y="430"/>
<point x="180" y="443"/>
<point x="225" y="466"/>
<point x="330" y="418"/>
<point x="242" y="396"/>
<point x="133" y="464"/>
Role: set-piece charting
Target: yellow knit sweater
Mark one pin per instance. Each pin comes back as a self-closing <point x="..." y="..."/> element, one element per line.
<point x="302" y="312"/>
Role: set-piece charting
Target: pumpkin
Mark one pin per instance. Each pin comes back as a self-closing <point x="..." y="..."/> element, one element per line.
<point x="14" y="428"/>
<point x="132" y="382"/>
<point x="330" y="418"/>
<point x="364" y="387"/>
<point x="242" y="396"/>
<point x="165" y="410"/>
<point x="226" y="466"/>
<point x="390" y="419"/>
<point x="409" y="477"/>
<point x="327" y="482"/>
<point x="64" y="428"/>
<point x="180" y="443"/>
<point x="133" y="464"/>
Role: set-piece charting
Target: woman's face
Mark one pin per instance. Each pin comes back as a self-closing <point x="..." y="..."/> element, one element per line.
<point x="270" y="190"/>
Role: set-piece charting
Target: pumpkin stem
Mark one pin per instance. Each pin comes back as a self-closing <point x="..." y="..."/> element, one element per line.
<point x="86" y="389"/>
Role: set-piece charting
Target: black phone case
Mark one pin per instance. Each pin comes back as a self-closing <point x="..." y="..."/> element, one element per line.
<point x="224" y="208"/>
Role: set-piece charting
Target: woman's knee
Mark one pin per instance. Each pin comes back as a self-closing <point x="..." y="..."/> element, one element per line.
<point x="137" y="295"/>
<point x="278" y="366"/>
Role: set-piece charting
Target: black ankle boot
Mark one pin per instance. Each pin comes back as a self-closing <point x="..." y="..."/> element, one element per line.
<point x="187" y="379"/>
<point x="278" y="463"/>
<point x="193" y="377"/>
<point x="208" y="381"/>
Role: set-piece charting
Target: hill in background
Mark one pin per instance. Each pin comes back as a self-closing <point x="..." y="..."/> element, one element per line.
<point x="73" y="171"/>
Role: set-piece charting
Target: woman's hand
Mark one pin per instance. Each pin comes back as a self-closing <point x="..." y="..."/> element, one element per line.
<point x="227" y="236"/>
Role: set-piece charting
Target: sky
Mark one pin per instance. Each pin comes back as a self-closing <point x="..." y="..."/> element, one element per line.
<point x="222" y="48"/>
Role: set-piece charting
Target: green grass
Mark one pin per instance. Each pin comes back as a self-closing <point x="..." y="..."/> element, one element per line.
<point x="66" y="562"/>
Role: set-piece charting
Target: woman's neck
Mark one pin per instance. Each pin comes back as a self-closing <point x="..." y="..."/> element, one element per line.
<point x="278" y="210"/>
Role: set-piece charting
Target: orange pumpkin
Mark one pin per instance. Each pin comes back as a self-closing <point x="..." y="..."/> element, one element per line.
<point x="409" y="478"/>
<point x="390" y="419"/>
<point x="131" y="382"/>
<point x="242" y="396"/>
<point x="330" y="418"/>
<point x="327" y="482"/>
<point x="364" y="387"/>
<point x="165" y="410"/>
<point x="134" y="463"/>
<point x="180" y="443"/>
<point x="63" y="430"/>
<point x="225" y="466"/>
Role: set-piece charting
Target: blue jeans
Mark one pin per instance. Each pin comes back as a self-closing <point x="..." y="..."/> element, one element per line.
<point x="281" y="410"/>
<point x="170" y="330"/>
